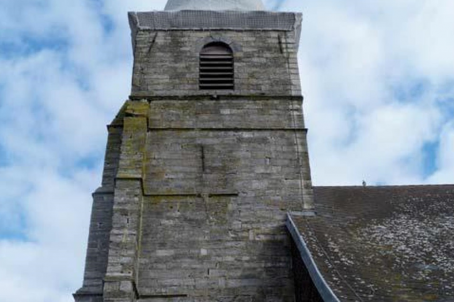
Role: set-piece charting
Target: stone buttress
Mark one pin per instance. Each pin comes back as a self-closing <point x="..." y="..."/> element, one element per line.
<point x="197" y="183"/>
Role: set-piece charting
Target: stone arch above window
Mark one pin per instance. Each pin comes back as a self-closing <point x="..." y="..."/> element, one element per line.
<point x="216" y="67"/>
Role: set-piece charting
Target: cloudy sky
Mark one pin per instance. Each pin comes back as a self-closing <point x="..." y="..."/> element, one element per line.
<point x="377" y="76"/>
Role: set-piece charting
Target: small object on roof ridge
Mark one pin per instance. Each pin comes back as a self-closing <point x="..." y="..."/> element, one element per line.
<point x="364" y="183"/>
<point x="216" y="5"/>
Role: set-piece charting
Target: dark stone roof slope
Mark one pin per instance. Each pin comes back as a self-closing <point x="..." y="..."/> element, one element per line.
<point x="391" y="243"/>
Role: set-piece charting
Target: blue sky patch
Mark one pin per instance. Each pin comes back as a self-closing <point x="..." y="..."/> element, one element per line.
<point x="410" y="90"/>
<point x="90" y="162"/>
<point x="3" y="156"/>
<point x="28" y="45"/>
<point x="106" y="22"/>
<point x="276" y="5"/>
<point x="429" y="158"/>
<point x="14" y="227"/>
<point x="14" y="235"/>
<point x="446" y="105"/>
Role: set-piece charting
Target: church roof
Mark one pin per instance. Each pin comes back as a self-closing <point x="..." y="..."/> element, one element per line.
<point x="244" y="5"/>
<point x="383" y="243"/>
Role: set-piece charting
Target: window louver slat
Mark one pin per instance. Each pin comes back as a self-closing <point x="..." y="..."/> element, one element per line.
<point x="216" y="68"/>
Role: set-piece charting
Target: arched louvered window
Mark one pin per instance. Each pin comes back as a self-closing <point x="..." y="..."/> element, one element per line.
<point x="216" y="67"/>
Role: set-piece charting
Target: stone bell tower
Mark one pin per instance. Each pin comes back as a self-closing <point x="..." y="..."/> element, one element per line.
<point x="203" y="161"/>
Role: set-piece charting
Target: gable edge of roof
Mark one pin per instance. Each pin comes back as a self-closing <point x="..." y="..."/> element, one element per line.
<point x="320" y="283"/>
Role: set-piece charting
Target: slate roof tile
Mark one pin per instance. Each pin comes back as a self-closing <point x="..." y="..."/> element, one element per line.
<point x="389" y="243"/>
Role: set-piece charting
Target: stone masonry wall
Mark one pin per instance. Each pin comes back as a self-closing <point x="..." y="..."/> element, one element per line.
<point x="202" y="190"/>
<point x="167" y="62"/>
<point x="120" y="279"/>
<point x="101" y="223"/>
<point x="202" y="180"/>
<point x="213" y="225"/>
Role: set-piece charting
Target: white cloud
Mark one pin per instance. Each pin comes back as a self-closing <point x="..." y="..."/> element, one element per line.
<point x="67" y="76"/>
<point x="361" y="67"/>
<point x="49" y="264"/>
<point x="62" y="83"/>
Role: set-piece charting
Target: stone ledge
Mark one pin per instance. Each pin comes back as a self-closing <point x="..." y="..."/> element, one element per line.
<point x="145" y="95"/>
<point x="85" y="295"/>
<point x="103" y="191"/>
<point x="227" y="130"/>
